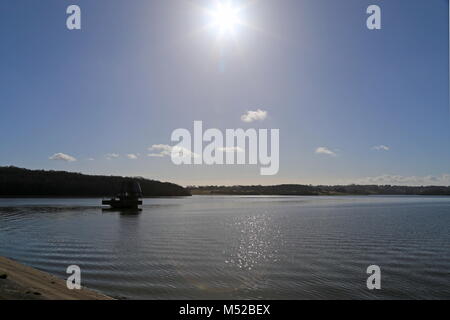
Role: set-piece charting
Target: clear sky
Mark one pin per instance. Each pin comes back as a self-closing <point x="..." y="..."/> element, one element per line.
<point x="376" y="102"/>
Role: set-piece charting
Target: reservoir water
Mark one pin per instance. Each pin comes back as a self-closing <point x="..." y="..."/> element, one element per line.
<point x="225" y="247"/>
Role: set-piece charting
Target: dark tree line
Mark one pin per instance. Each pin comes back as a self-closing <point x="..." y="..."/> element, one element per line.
<point x="307" y="190"/>
<point x="17" y="182"/>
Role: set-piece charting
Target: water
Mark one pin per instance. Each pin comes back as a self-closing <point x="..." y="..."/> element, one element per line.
<point x="239" y="247"/>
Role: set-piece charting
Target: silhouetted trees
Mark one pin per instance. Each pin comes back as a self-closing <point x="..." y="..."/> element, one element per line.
<point x="17" y="182"/>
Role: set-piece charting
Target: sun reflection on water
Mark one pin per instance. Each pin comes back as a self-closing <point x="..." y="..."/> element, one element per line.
<point x="258" y="242"/>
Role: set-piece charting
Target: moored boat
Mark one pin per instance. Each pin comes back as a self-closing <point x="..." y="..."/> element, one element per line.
<point x="128" y="198"/>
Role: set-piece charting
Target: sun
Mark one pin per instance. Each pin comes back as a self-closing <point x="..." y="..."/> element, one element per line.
<point x="225" y="17"/>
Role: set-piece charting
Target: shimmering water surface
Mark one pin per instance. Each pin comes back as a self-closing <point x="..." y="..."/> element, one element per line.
<point x="239" y="247"/>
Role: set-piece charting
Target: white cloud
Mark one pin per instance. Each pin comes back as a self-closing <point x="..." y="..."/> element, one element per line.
<point x="156" y="155"/>
<point x="258" y="115"/>
<point x="111" y="156"/>
<point x="163" y="150"/>
<point x="381" y="148"/>
<point x="132" y="156"/>
<point x="62" y="157"/>
<point x="184" y="153"/>
<point x="90" y="159"/>
<point x="230" y="150"/>
<point x="324" y="150"/>
<point x="386" y="179"/>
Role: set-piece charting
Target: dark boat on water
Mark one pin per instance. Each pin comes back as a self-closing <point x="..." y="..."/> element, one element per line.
<point x="130" y="196"/>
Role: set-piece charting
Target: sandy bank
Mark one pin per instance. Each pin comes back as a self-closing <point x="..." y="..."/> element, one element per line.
<point x="20" y="282"/>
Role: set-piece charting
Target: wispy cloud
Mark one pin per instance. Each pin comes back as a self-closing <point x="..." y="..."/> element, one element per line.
<point x="132" y="156"/>
<point x="156" y="155"/>
<point x="160" y="150"/>
<point x="62" y="157"/>
<point x="111" y="156"/>
<point x="258" y="115"/>
<point x="386" y="179"/>
<point x="326" y="151"/>
<point x="381" y="148"/>
<point x="163" y="150"/>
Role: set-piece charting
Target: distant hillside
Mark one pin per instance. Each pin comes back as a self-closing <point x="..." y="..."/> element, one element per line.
<point x="307" y="190"/>
<point x="17" y="182"/>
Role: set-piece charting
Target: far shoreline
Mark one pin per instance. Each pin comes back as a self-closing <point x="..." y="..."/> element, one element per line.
<point x="234" y="195"/>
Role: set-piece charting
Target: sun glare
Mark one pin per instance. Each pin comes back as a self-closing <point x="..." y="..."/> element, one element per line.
<point x="225" y="17"/>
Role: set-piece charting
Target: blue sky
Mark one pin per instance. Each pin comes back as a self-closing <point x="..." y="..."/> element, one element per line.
<point x="140" y="69"/>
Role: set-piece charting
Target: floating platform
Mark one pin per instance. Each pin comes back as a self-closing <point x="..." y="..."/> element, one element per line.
<point x="122" y="203"/>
